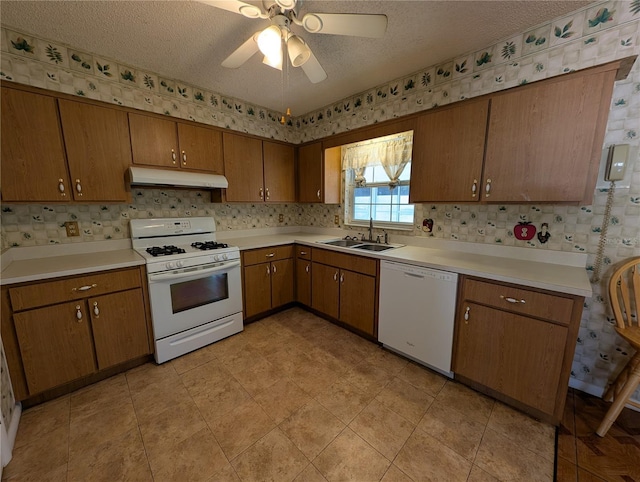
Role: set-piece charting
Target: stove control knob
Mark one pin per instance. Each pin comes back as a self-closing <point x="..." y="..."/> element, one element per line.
<point x="216" y="257"/>
<point x="179" y="264"/>
<point x="170" y="265"/>
<point x="225" y="257"/>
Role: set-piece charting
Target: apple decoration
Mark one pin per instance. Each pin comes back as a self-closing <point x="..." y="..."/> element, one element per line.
<point x="524" y="231"/>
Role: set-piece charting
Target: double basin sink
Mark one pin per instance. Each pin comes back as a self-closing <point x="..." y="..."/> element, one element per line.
<point x="355" y="244"/>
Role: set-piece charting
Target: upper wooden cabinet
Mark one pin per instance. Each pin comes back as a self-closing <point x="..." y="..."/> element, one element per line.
<point x="166" y="143"/>
<point x="541" y="143"/>
<point x="258" y="170"/>
<point x="318" y="174"/>
<point x="448" y="151"/>
<point x="98" y="150"/>
<point x="33" y="161"/>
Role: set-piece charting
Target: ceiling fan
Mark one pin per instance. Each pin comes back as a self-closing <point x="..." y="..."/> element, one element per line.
<point x="282" y="14"/>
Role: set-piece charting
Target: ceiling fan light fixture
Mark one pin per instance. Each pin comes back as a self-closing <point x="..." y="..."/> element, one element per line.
<point x="250" y="11"/>
<point x="270" y="42"/>
<point x="273" y="61"/>
<point x="287" y="4"/>
<point x="298" y="50"/>
<point x="312" y="23"/>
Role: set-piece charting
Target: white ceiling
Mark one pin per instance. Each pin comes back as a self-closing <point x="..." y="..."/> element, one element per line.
<point x="187" y="40"/>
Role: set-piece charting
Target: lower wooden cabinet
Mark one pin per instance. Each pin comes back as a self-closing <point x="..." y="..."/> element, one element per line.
<point x="518" y="343"/>
<point x="303" y="275"/>
<point x="56" y="332"/>
<point x="267" y="284"/>
<point x="345" y="287"/>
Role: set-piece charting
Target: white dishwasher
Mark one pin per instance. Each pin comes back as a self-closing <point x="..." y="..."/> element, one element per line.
<point x="417" y="312"/>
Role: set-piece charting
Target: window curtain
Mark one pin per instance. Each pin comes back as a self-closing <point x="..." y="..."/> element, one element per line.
<point x="392" y="154"/>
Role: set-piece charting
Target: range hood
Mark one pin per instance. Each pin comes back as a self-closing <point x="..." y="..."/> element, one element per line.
<point x="175" y="178"/>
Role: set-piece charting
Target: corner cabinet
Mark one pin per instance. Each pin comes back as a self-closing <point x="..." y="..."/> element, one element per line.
<point x="319" y="174"/>
<point x="303" y="275"/>
<point x="62" y="150"/>
<point x="345" y="287"/>
<point x="516" y="344"/>
<point x="166" y="143"/>
<point x="267" y="279"/>
<point x="534" y="143"/>
<point x="62" y="330"/>
<point x="258" y="171"/>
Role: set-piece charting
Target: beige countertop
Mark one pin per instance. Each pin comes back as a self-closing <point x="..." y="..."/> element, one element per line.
<point x="533" y="268"/>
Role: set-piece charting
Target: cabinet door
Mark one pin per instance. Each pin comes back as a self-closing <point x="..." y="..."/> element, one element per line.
<point x="448" y="151"/>
<point x="243" y="168"/>
<point x="539" y="138"/>
<point x="257" y="289"/>
<point x="518" y="356"/>
<point x="282" y="287"/>
<point x="200" y="148"/>
<point x="279" y="172"/>
<point x="303" y="281"/>
<point x="154" y="142"/>
<point x="56" y="346"/>
<point x="98" y="150"/>
<point x="325" y="289"/>
<point x="119" y="327"/>
<point x="357" y="300"/>
<point x="310" y="173"/>
<point x="33" y="160"/>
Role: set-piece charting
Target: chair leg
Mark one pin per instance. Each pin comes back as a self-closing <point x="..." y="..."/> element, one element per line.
<point x="618" y="383"/>
<point x="633" y="380"/>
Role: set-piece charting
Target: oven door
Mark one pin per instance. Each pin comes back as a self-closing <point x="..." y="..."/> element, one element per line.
<point x="185" y="298"/>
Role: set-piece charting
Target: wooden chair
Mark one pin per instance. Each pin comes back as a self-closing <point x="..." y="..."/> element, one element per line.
<point x="624" y="296"/>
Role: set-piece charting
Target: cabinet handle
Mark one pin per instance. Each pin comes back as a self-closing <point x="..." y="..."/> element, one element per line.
<point x="318" y="194"/>
<point x="78" y="314"/>
<point x="96" y="310"/>
<point x="466" y="315"/>
<point x="261" y="193"/>
<point x="474" y="188"/>
<point x="273" y="268"/>
<point x="267" y="191"/>
<point x="268" y="271"/>
<point x="173" y="156"/>
<point x="512" y="300"/>
<point x="341" y="277"/>
<point x="303" y="253"/>
<point x="85" y="288"/>
<point x="61" y="187"/>
<point x="270" y="255"/>
<point x="306" y="268"/>
<point x="335" y="276"/>
<point x="184" y="158"/>
<point x="487" y="188"/>
<point x="78" y="187"/>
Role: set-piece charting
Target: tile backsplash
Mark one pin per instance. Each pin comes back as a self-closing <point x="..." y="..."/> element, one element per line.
<point x="587" y="37"/>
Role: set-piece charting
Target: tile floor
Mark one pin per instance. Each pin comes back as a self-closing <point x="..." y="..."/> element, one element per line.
<point x="293" y="397"/>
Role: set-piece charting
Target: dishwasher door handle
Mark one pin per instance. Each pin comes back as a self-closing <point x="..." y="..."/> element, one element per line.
<point x="414" y="275"/>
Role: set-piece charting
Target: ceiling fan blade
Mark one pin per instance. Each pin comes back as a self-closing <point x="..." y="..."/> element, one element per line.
<point x="242" y="53"/>
<point x="314" y="70"/>
<point x="236" y="6"/>
<point x="354" y="24"/>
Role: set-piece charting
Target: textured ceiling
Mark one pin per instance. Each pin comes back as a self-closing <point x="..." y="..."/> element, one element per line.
<point x="188" y="40"/>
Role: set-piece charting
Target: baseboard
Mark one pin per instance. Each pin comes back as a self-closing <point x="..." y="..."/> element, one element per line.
<point x="596" y="391"/>
<point x="9" y="436"/>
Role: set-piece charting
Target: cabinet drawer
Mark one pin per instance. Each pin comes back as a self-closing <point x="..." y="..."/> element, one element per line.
<point x="359" y="264"/>
<point x="263" y="255"/>
<point x="522" y="300"/>
<point x="42" y="294"/>
<point x="303" y="252"/>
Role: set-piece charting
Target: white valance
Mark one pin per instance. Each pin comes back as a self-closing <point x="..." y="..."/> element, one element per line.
<point x="393" y="153"/>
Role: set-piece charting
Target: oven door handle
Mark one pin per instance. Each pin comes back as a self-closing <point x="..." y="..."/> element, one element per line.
<point x="192" y="273"/>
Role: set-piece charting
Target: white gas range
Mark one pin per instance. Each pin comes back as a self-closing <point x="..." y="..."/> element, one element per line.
<point x="195" y="289"/>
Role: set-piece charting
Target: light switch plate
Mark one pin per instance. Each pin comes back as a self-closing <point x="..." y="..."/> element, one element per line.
<point x="281" y="218"/>
<point x="72" y="228"/>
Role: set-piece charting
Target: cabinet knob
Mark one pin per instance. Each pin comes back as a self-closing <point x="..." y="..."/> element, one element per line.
<point x="267" y="193"/>
<point x="78" y="187"/>
<point x="61" y="187"/>
<point x="474" y="188"/>
<point x="261" y="193"/>
<point x="173" y="156"/>
<point x="303" y="253"/>
<point x="318" y="194"/>
<point x="509" y="299"/>
<point x="487" y="188"/>
<point x="273" y="268"/>
<point x="270" y="255"/>
<point x="466" y="315"/>
<point x="96" y="310"/>
<point x="341" y="277"/>
<point x="306" y="268"/>
<point x="335" y="276"/>
<point x="78" y="313"/>
<point x="184" y="158"/>
<point x="268" y="271"/>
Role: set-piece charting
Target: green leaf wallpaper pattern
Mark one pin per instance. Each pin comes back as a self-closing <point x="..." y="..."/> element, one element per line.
<point x="148" y="81"/>
<point x="128" y="76"/>
<point x="508" y="50"/>
<point x="635" y="7"/>
<point x="602" y="16"/>
<point x="22" y="44"/>
<point x="104" y="69"/>
<point x="53" y="54"/>
<point x="462" y="68"/>
<point x="564" y="32"/>
<point x="485" y="58"/>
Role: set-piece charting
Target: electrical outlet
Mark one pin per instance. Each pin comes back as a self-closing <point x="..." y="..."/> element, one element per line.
<point x="281" y="218"/>
<point x="336" y="219"/>
<point x="72" y="228"/>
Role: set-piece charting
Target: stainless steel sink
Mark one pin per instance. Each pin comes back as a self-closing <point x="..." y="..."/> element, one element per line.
<point x="345" y="243"/>
<point x="374" y="247"/>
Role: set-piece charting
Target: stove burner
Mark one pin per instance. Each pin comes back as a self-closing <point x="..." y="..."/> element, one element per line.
<point x="164" y="250"/>
<point x="209" y="245"/>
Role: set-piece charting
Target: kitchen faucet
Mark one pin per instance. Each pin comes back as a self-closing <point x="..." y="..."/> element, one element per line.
<point x="370" y="229"/>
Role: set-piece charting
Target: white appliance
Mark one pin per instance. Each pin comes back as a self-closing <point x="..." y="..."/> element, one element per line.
<point x="172" y="177"/>
<point x="195" y="289"/>
<point x="417" y="312"/>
